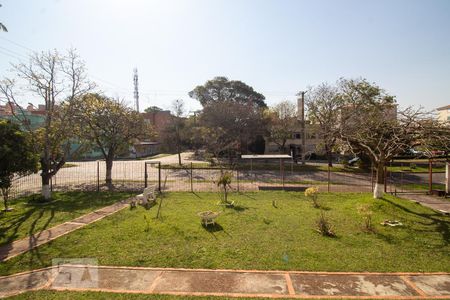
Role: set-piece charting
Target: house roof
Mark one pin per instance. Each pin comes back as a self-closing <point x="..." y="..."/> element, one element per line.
<point x="443" y="107"/>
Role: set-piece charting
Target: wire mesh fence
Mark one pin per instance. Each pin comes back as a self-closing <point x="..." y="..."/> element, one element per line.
<point x="416" y="176"/>
<point x="136" y="175"/>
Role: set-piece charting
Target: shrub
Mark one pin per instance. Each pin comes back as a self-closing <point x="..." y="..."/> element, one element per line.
<point x="223" y="183"/>
<point x="324" y="227"/>
<point x="366" y="213"/>
<point x="313" y="193"/>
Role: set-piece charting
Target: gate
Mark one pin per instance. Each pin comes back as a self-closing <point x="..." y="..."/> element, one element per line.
<point x="153" y="170"/>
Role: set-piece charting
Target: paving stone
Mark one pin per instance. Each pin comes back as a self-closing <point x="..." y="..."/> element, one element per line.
<point x="91" y="277"/>
<point x="23" y="245"/>
<point x="221" y="282"/>
<point x="15" y="284"/>
<point x="433" y="285"/>
<point x="347" y="285"/>
<point x="89" y="218"/>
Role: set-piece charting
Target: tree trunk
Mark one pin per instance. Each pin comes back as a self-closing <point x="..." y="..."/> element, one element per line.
<point x="179" y="154"/>
<point x="46" y="191"/>
<point x="329" y="155"/>
<point x="108" y="180"/>
<point x="378" y="190"/>
<point x="5" y="194"/>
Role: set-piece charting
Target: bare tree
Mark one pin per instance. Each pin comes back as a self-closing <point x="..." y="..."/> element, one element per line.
<point x="177" y="125"/>
<point x="370" y="123"/>
<point x="57" y="80"/>
<point x="323" y="107"/>
<point x="282" y="123"/>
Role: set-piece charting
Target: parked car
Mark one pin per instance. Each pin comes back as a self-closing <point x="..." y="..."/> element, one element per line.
<point x="353" y="161"/>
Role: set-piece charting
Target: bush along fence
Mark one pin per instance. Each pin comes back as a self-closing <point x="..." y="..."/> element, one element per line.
<point x="401" y="177"/>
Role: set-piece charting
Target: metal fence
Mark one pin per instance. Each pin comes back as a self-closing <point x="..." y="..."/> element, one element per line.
<point x="136" y="175"/>
<point x="420" y="176"/>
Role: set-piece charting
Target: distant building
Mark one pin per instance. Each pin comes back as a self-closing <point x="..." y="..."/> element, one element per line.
<point x="32" y="117"/>
<point x="293" y="145"/>
<point x="158" y="119"/>
<point x="444" y="113"/>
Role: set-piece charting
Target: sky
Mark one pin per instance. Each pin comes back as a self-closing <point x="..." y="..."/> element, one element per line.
<point x="278" y="47"/>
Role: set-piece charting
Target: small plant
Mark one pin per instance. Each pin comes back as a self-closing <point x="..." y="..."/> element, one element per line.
<point x="274" y="203"/>
<point x="324" y="227"/>
<point x="147" y="224"/>
<point x="223" y="183"/>
<point x="313" y="193"/>
<point x="366" y="213"/>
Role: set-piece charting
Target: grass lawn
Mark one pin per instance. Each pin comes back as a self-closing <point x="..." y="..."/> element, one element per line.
<point x="420" y="186"/>
<point x="418" y="169"/>
<point x="257" y="235"/>
<point x="53" y="295"/>
<point x="29" y="216"/>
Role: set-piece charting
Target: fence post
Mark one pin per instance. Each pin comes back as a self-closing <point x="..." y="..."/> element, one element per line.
<point x="192" y="187"/>
<point x="390" y="179"/>
<point x="145" y="175"/>
<point x="51" y="184"/>
<point x="385" y="178"/>
<point x="237" y="177"/>
<point x="329" y="175"/>
<point x="159" y="176"/>
<point x="98" y="176"/>
<point x="430" y="171"/>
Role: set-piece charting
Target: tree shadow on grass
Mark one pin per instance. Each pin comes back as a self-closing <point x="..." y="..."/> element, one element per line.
<point x="442" y="226"/>
<point x="214" y="228"/>
<point x="239" y="208"/>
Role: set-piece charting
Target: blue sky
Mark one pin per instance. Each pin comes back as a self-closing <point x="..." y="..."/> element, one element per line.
<point x="279" y="47"/>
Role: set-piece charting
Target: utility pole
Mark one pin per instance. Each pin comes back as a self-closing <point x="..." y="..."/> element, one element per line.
<point x="136" y="90"/>
<point x="301" y="107"/>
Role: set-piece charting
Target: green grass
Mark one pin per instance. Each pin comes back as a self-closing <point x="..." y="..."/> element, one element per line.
<point x="256" y="235"/>
<point x="417" y="169"/>
<point x="60" y="295"/>
<point x="29" y="216"/>
<point x="420" y="186"/>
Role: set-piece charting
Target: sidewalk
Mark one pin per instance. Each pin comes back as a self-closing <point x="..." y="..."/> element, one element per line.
<point x="231" y="283"/>
<point x="21" y="246"/>
<point x="432" y="202"/>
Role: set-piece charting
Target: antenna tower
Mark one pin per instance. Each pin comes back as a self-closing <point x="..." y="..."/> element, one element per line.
<point x="136" y="90"/>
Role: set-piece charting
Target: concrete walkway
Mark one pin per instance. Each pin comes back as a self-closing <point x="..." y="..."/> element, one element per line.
<point x="231" y="283"/>
<point x="433" y="202"/>
<point x="21" y="246"/>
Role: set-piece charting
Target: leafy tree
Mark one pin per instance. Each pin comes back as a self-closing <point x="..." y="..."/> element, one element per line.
<point x="238" y="124"/>
<point x="282" y="123"/>
<point x="370" y="123"/>
<point x="110" y="125"/>
<point x="220" y="89"/>
<point x="17" y="156"/>
<point x="57" y="80"/>
<point x="324" y="106"/>
<point x="153" y="109"/>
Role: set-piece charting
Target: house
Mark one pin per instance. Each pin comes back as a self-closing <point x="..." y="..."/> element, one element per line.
<point x="158" y="119"/>
<point x="444" y="113"/>
<point x="31" y="117"/>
